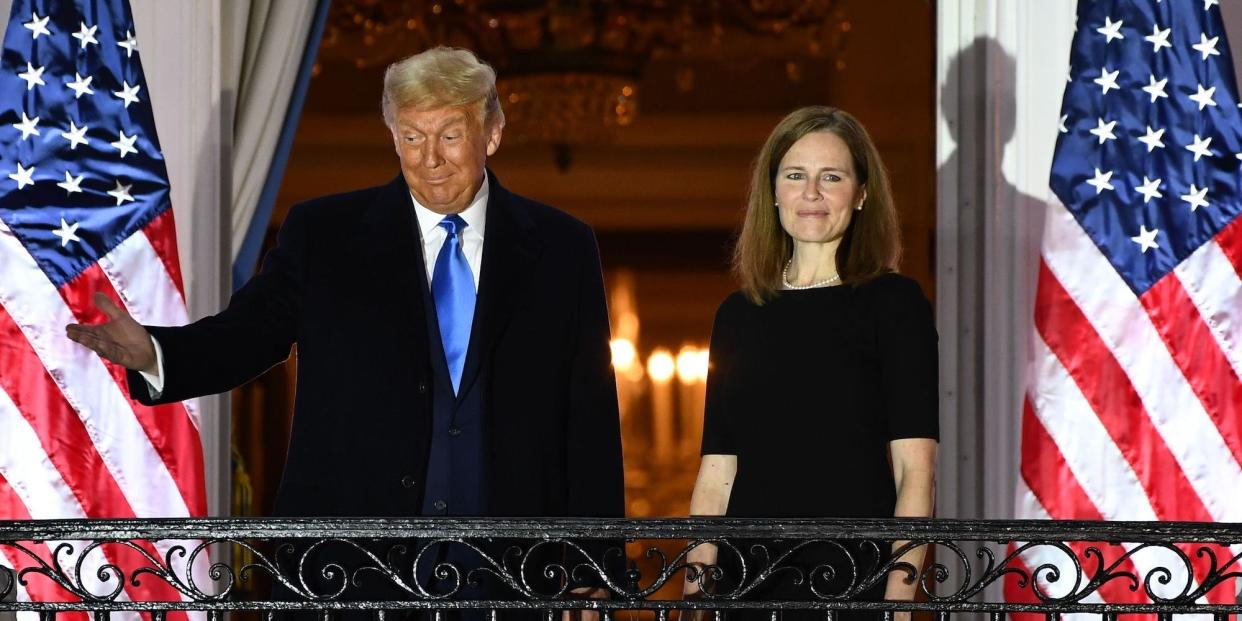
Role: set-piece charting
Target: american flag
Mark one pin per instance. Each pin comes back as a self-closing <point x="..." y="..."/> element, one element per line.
<point x="1134" y="405"/>
<point x="84" y="208"/>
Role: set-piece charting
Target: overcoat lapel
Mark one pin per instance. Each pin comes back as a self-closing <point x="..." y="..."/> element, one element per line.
<point x="510" y="249"/>
<point x="391" y="237"/>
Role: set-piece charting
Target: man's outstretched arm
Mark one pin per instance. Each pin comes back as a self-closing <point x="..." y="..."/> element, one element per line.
<point x="216" y="353"/>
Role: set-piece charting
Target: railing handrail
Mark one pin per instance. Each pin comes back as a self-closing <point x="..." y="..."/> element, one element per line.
<point x="610" y="528"/>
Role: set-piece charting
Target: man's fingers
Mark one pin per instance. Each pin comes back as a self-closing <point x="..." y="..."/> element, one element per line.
<point x="109" y="308"/>
<point x="91" y="339"/>
<point x="84" y="335"/>
<point x="80" y="334"/>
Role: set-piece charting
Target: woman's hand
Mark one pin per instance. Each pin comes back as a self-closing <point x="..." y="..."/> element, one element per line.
<point x="698" y="578"/>
<point x="584" y="593"/>
<point x="710" y="498"/>
<point x="693" y="587"/>
<point x="914" y="474"/>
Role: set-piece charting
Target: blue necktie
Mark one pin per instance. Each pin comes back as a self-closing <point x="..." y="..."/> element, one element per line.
<point x="452" y="286"/>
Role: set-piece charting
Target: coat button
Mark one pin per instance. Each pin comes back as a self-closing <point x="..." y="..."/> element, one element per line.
<point x="440" y="505"/>
<point x="407" y="481"/>
<point x="422" y="388"/>
<point x="454" y="431"/>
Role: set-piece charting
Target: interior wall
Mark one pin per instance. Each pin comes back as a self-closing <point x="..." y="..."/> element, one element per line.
<point x="181" y="51"/>
<point x="1001" y="71"/>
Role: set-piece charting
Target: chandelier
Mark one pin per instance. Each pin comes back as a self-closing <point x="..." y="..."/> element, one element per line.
<point x="568" y="70"/>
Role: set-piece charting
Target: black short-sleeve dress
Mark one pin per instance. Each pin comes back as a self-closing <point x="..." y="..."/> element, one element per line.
<point x="808" y="390"/>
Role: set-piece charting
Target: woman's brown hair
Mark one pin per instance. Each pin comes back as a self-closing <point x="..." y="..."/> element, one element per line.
<point x="871" y="245"/>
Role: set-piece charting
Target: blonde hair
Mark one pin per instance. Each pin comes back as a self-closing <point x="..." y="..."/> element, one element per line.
<point x="442" y="77"/>
<point x="871" y="245"/>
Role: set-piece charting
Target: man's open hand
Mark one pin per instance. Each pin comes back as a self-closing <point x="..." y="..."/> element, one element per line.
<point x="120" y="339"/>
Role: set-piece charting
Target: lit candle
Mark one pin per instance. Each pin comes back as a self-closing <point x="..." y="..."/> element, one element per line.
<point x="660" y="368"/>
<point x="629" y="372"/>
<point x="691" y="375"/>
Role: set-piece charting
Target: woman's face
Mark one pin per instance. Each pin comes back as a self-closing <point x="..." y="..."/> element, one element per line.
<point x="817" y="189"/>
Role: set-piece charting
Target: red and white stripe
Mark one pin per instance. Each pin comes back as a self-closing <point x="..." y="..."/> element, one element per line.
<point x="27" y="481"/>
<point x="75" y="445"/>
<point x="1134" y="404"/>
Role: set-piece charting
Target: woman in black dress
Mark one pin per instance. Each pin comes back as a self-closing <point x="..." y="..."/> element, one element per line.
<point x="822" y="396"/>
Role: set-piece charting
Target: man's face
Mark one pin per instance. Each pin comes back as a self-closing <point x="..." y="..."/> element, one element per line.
<point x="443" y="152"/>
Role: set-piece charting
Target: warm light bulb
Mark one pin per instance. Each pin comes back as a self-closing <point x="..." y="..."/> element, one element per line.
<point x="624" y="355"/>
<point x="688" y="365"/>
<point x="660" y="366"/>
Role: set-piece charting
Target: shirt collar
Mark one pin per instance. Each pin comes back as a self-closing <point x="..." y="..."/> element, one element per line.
<point x="475" y="214"/>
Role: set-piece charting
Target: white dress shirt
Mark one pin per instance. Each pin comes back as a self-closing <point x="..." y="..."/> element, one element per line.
<point x="433" y="236"/>
<point x="155" y="381"/>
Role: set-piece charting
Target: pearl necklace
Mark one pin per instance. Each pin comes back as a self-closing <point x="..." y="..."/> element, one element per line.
<point x="814" y="285"/>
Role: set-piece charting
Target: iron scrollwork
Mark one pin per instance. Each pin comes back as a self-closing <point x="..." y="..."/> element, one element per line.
<point x="1056" y="567"/>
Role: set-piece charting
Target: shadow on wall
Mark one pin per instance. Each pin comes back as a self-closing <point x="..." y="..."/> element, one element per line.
<point x="1003" y="208"/>
<point x="996" y="239"/>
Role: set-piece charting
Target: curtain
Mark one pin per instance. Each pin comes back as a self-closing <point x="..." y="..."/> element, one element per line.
<point x="270" y="47"/>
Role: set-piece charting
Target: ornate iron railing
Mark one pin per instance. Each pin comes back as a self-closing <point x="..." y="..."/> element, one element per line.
<point x="499" y="566"/>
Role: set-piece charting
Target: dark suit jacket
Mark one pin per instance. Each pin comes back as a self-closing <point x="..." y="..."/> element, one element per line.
<point x="343" y="284"/>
